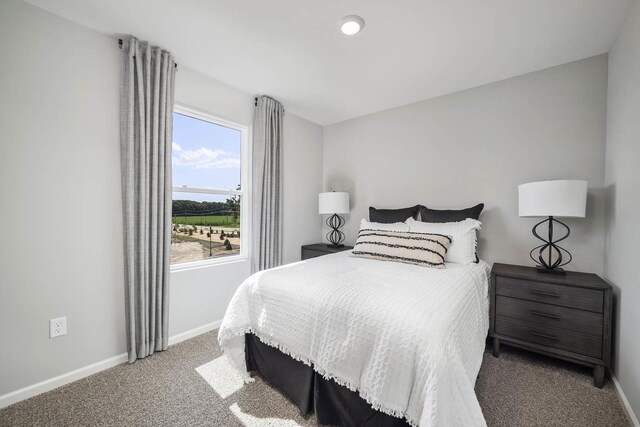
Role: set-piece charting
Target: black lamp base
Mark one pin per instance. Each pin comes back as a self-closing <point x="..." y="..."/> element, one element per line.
<point x="335" y="236"/>
<point x="550" y="254"/>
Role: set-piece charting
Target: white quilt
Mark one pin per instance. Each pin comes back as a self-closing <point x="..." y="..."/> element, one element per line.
<point x="408" y="338"/>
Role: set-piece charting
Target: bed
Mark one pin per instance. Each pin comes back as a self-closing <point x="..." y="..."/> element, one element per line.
<point x="405" y="340"/>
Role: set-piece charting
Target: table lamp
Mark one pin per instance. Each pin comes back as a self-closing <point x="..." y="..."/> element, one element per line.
<point x="551" y="199"/>
<point x="334" y="203"/>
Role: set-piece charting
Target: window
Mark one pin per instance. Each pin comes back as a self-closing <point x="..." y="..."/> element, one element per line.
<point x="209" y="172"/>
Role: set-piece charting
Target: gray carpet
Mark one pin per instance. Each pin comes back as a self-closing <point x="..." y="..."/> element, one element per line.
<point x="183" y="387"/>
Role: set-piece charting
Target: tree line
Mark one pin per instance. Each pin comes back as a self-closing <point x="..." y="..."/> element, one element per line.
<point x="194" y="208"/>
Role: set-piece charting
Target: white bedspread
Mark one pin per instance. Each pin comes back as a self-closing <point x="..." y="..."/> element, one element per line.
<point x="408" y="338"/>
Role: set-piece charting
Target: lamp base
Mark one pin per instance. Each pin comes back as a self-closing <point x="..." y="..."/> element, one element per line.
<point x="556" y="271"/>
<point x="335" y="236"/>
<point x="550" y="250"/>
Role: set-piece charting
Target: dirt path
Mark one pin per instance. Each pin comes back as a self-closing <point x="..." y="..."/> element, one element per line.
<point x="196" y="247"/>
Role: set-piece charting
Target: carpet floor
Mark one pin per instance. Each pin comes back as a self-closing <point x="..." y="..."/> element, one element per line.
<point x="192" y="385"/>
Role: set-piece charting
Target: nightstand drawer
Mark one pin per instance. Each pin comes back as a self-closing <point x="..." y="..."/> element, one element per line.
<point x="577" y="342"/>
<point x="566" y="296"/>
<point x="543" y="315"/>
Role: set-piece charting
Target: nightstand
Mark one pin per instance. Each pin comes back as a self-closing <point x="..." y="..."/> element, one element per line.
<point x="567" y="316"/>
<point x="319" y="249"/>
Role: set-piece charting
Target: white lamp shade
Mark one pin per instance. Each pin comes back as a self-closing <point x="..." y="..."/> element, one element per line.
<point x="562" y="198"/>
<point x="333" y="203"/>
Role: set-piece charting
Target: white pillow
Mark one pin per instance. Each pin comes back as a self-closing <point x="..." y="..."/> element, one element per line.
<point x="464" y="234"/>
<point x="424" y="249"/>
<point x="395" y="226"/>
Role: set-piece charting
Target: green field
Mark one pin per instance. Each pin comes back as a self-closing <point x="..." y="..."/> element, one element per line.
<point x="212" y="220"/>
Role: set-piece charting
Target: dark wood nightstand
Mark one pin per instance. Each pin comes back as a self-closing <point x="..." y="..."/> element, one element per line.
<point x="565" y="316"/>
<point x="319" y="249"/>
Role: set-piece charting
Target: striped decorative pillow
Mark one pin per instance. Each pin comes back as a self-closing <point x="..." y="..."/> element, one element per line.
<point x="426" y="249"/>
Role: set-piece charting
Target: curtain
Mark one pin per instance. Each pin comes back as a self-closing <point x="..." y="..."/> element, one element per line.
<point x="146" y="122"/>
<point x="267" y="184"/>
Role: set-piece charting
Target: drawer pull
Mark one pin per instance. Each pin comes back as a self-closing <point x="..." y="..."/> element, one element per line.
<point x="550" y="316"/>
<point x="538" y="334"/>
<point x="543" y="293"/>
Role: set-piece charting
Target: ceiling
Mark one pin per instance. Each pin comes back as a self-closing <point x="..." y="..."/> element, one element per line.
<point x="409" y="50"/>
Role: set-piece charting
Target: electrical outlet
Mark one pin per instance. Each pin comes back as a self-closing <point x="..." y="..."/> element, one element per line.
<point x="57" y="327"/>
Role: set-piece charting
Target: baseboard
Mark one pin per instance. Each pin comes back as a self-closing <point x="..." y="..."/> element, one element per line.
<point x="78" y="374"/>
<point x="60" y="380"/>
<point x="624" y="402"/>
<point x="194" y="332"/>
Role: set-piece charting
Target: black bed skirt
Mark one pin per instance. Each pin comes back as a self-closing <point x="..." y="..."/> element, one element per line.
<point x="332" y="403"/>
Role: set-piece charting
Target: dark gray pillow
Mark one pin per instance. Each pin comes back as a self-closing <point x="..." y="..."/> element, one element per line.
<point x="450" y="215"/>
<point x="389" y="216"/>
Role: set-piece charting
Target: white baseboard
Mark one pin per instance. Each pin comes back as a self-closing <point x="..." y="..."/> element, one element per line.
<point x="60" y="380"/>
<point x="69" y="377"/>
<point x="624" y="402"/>
<point x="194" y="332"/>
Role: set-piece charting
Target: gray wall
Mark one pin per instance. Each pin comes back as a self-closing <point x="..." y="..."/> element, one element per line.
<point x="302" y="171"/>
<point x="477" y="146"/>
<point x="60" y="179"/>
<point x="61" y="250"/>
<point x="623" y="202"/>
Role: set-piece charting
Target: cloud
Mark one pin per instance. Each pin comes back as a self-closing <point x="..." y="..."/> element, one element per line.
<point x="204" y="158"/>
<point x="176" y="147"/>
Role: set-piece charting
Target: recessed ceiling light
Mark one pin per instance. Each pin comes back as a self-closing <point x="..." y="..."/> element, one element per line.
<point x="351" y="24"/>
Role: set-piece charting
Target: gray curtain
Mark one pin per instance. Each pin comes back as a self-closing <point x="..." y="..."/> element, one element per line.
<point x="267" y="184"/>
<point x="146" y="123"/>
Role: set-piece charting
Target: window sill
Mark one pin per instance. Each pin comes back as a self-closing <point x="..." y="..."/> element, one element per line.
<point x="235" y="259"/>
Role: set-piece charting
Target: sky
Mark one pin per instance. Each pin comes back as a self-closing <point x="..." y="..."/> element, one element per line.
<point x="205" y="155"/>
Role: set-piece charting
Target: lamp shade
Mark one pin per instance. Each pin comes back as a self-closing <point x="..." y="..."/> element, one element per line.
<point x="333" y="203"/>
<point x="562" y="198"/>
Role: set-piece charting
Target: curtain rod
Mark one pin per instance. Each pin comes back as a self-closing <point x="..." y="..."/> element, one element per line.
<point x="175" y="64"/>
<point x="266" y="96"/>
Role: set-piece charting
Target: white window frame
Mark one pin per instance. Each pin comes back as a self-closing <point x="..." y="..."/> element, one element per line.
<point x="244" y="192"/>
